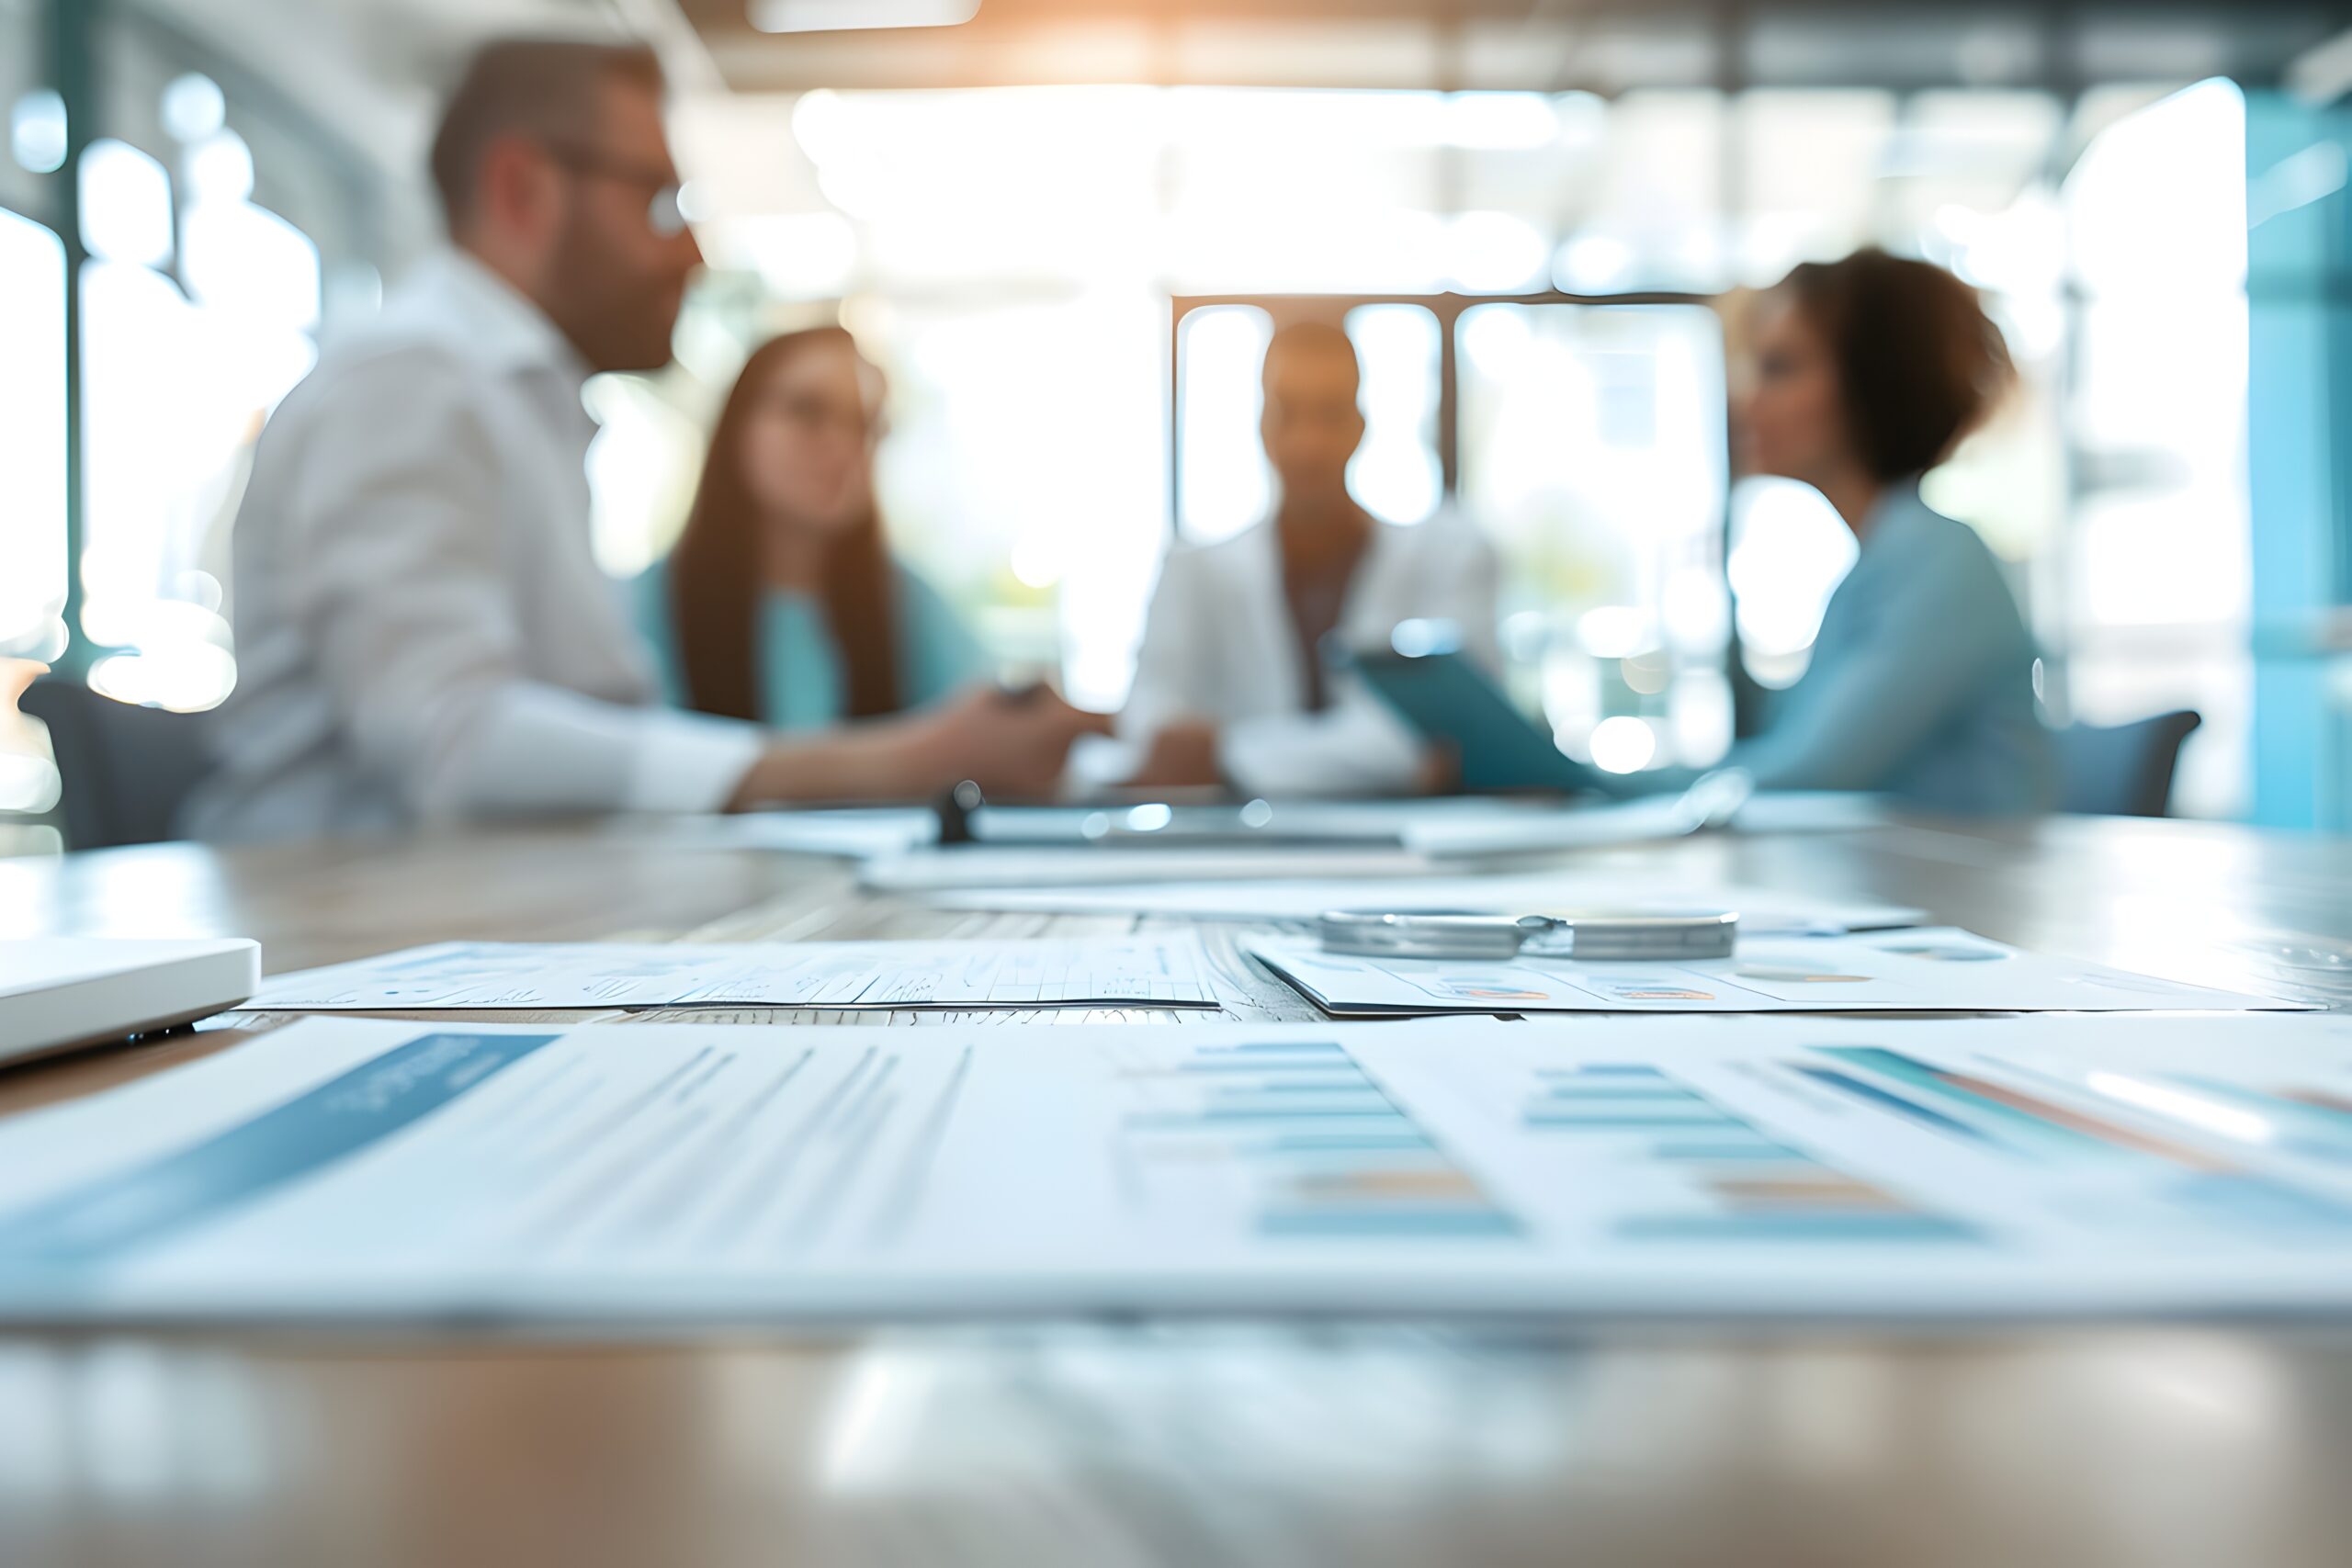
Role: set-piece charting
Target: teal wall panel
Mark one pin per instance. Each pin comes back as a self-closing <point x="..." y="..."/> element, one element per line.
<point x="2299" y="455"/>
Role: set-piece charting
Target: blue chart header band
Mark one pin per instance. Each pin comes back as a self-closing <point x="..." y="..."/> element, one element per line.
<point x="338" y="1119"/>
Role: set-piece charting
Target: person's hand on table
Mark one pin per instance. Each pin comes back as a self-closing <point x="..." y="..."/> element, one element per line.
<point x="1011" y="743"/>
<point x="1183" y="755"/>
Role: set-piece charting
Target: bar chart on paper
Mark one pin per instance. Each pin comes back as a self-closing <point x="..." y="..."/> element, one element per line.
<point x="1762" y="1166"/>
<point x="2141" y="1160"/>
<point x="1933" y="970"/>
<point x="1288" y="1138"/>
<point x="1710" y="1173"/>
<point x="2092" y="1142"/>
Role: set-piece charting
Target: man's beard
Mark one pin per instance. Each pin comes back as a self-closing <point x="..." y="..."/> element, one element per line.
<point x="614" y="325"/>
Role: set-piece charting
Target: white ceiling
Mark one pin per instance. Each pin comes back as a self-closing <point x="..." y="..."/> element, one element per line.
<point x="373" y="68"/>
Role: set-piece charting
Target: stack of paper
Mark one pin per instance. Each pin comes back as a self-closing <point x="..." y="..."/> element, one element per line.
<point x="1147" y="971"/>
<point x="342" y="1170"/>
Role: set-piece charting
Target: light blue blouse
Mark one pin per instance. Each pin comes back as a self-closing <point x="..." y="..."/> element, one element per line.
<point x="1921" y="683"/>
<point x="802" y="682"/>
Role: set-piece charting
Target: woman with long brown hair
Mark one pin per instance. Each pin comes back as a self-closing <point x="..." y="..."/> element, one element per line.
<point x="782" y="601"/>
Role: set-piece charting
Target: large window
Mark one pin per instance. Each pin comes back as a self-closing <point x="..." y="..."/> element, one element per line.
<point x="197" y="309"/>
<point x="1592" y="449"/>
<point x="32" y="438"/>
<point x="201" y="294"/>
<point x="33" y="453"/>
<point x="2148" y="593"/>
<point x="32" y="523"/>
<point x="201" y="308"/>
<point x="200" y="304"/>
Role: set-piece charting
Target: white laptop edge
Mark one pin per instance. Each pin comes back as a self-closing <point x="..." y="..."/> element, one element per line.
<point x="107" y="991"/>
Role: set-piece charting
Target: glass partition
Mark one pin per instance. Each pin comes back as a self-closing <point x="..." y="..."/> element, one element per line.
<point x="32" y="439"/>
<point x="1592" y="451"/>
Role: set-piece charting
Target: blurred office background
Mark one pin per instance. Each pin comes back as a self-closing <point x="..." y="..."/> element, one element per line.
<point x="1066" y="227"/>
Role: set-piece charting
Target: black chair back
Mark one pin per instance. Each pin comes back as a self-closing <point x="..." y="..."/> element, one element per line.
<point x="125" y="770"/>
<point x="2124" y="770"/>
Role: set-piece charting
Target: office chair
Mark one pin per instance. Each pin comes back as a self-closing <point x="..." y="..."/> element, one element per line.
<point x="125" y="770"/>
<point x="2124" y="770"/>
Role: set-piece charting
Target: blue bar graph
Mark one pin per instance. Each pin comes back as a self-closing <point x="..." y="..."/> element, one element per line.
<point x="1898" y="1226"/>
<point x="1304" y="1135"/>
<point x="1724" y="1179"/>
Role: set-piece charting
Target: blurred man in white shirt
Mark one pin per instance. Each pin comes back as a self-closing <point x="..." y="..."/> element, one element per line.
<point x="423" y="634"/>
<point x="1231" y="685"/>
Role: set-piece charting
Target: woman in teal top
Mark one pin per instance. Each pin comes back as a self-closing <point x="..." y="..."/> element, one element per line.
<point x="1868" y="372"/>
<point x="781" y="602"/>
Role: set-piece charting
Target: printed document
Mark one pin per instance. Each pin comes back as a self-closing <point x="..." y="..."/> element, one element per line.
<point x="851" y="832"/>
<point x="1929" y="970"/>
<point x="1021" y="865"/>
<point x="1761" y="911"/>
<point x="1163" y="970"/>
<point x="1593" y="826"/>
<point x="643" y="1175"/>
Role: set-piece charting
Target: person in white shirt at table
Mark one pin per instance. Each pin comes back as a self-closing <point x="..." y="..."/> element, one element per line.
<point x="423" y="634"/>
<point x="1232" y="684"/>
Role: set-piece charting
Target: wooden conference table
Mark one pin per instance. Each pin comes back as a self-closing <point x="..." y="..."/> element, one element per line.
<point x="1135" y="1444"/>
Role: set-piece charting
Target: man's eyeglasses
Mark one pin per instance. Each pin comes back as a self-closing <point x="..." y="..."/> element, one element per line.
<point x="664" y="213"/>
